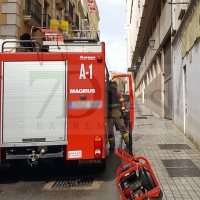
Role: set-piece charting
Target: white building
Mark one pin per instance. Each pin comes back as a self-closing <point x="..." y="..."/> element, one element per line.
<point x="167" y="75"/>
<point x="153" y="77"/>
<point x="186" y="73"/>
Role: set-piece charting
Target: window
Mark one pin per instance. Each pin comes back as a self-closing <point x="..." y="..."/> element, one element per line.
<point x="45" y="7"/>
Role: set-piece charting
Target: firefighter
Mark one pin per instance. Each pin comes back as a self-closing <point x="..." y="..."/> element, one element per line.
<point x="116" y="107"/>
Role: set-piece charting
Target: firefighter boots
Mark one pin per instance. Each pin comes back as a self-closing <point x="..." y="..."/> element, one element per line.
<point x="111" y="140"/>
<point x="125" y="137"/>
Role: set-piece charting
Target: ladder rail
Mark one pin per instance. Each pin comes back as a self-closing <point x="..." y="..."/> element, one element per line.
<point x="18" y="42"/>
<point x="69" y="34"/>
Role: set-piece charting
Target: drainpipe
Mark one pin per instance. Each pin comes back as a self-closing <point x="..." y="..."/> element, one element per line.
<point x="172" y="72"/>
<point x="162" y="83"/>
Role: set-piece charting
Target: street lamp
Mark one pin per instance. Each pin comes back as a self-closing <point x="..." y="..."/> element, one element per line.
<point x="152" y="42"/>
<point x="139" y="59"/>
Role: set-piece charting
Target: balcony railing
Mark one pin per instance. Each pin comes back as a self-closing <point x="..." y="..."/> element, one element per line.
<point x="33" y="8"/>
<point x="46" y="20"/>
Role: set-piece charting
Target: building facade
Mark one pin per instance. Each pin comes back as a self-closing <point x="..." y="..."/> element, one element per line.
<point x="18" y="16"/>
<point x="150" y="53"/>
<point x="167" y="73"/>
<point x="154" y="24"/>
<point x="186" y="73"/>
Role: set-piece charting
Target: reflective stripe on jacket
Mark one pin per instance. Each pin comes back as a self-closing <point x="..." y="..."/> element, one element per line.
<point x="116" y="100"/>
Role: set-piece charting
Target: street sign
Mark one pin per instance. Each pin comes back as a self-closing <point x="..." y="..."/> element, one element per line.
<point x="58" y="24"/>
<point x="90" y="2"/>
<point x="92" y="9"/>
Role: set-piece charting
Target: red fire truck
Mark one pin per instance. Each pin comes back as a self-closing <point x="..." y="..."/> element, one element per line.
<point x="54" y="99"/>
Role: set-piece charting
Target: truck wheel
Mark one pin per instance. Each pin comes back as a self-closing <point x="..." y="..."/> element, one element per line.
<point x="102" y="167"/>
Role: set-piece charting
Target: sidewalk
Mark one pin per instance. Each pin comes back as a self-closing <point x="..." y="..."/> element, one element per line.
<point x="182" y="161"/>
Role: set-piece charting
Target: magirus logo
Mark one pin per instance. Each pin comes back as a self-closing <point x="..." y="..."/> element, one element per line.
<point x="80" y="91"/>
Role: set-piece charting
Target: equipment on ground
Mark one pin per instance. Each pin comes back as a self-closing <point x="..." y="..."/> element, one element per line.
<point x="135" y="178"/>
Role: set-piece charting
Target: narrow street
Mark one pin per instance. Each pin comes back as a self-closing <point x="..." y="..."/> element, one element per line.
<point x="70" y="70"/>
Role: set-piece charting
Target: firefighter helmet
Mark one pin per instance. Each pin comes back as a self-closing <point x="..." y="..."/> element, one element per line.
<point x="113" y="82"/>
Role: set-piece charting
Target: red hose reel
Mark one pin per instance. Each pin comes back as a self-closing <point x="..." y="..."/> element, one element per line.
<point x="135" y="178"/>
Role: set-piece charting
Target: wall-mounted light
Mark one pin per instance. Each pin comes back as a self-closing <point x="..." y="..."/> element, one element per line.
<point x="152" y="42"/>
<point x="134" y="68"/>
<point x="139" y="59"/>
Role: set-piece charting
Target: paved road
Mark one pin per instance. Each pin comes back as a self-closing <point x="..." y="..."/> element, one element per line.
<point x="35" y="183"/>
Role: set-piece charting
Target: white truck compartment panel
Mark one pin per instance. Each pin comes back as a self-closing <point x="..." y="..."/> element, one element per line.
<point x="34" y="101"/>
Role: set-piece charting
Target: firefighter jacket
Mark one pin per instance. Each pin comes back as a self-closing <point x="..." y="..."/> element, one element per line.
<point x="116" y="100"/>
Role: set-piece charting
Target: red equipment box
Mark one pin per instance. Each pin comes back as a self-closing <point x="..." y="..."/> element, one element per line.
<point x="135" y="178"/>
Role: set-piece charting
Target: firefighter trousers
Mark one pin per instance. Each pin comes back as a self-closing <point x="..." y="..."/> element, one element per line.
<point x="115" y="118"/>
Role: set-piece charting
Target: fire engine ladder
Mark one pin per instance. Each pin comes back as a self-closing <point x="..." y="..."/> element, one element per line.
<point x="20" y="45"/>
<point x="53" y="38"/>
<point x="58" y="41"/>
<point x="69" y="36"/>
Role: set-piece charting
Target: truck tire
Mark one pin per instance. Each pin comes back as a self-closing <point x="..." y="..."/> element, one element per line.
<point x="102" y="167"/>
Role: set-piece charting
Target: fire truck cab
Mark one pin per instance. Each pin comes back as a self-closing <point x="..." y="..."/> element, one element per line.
<point x="54" y="99"/>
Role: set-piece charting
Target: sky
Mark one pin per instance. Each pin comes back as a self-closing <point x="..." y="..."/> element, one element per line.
<point x="112" y="32"/>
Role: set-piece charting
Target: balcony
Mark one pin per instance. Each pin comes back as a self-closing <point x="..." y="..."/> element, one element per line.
<point x="46" y="20"/>
<point x="61" y="4"/>
<point x="69" y="12"/>
<point x="32" y="14"/>
<point x="75" y="24"/>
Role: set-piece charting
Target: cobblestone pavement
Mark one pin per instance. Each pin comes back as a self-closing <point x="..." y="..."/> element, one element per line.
<point x="148" y="134"/>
